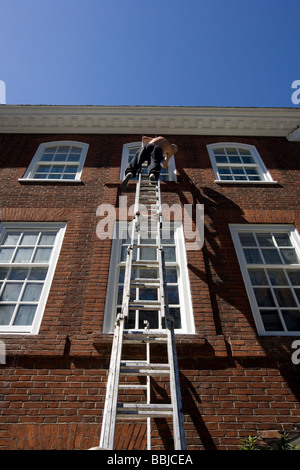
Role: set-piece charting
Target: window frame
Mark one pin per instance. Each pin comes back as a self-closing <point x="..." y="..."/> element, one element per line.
<point x="258" y="164"/>
<point x="57" y="227"/>
<point x="235" y="230"/>
<point x="31" y="170"/>
<point x="136" y="145"/>
<point x="187" y="317"/>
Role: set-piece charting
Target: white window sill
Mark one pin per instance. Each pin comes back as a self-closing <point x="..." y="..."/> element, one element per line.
<point x="47" y="181"/>
<point x="245" y="182"/>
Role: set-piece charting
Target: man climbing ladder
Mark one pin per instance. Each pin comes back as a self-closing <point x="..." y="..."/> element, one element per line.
<point x="153" y="151"/>
<point x="143" y="274"/>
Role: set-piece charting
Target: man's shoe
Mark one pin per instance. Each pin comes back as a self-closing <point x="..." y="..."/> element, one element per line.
<point x="152" y="178"/>
<point x="126" y="180"/>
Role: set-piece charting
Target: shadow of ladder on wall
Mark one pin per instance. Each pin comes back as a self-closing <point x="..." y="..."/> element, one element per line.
<point x="147" y="209"/>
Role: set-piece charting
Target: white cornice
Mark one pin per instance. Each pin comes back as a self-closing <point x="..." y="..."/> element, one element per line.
<point x="294" y="136"/>
<point x="149" y="119"/>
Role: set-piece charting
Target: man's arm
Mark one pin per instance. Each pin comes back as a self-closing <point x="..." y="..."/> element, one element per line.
<point x="166" y="160"/>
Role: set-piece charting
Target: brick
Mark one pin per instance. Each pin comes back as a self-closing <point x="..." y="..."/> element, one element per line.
<point x="234" y="383"/>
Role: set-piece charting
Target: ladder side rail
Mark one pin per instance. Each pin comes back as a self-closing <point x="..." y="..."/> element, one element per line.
<point x="179" y="435"/>
<point x="110" y="408"/>
<point x="109" y="413"/>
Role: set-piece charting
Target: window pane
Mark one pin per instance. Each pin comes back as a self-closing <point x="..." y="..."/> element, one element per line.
<point x="120" y="295"/>
<point x="285" y="298"/>
<point x="63" y="148"/>
<point x="23" y="255"/>
<point x="238" y="171"/>
<point x="148" y="294"/>
<point x="283" y="239"/>
<point x="247" y="160"/>
<point x="76" y="149"/>
<point x="170" y="253"/>
<point x="54" y="176"/>
<point x="294" y="277"/>
<point x="290" y="256"/>
<point x="244" y="151"/>
<point x="42" y="255"/>
<point x="29" y="239"/>
<point x="221" y="159"/>
<point x="6" y="312"/>
<point x="175" y="312"/>
<point x="148" y="315"/>
<point x="11" y="238"/>
<point x="224" y="171"/>
<point x="264" y="297"/>
<point x="69" y="176"/>
<point x="251" y="171"/>
<point x="25" y="315"/>
<point x="57" y="169"/>
<point x="265" y="239"/>
<point x="171" y="274"/>
<point x="43" y="169"/>
<point x="252" y="256"/>
<point x="292" y="319"/>
<point x="71" y="169"/>
<point x="32" y="292"/>
<point x="11" y="292"/>
<point x="3" y="273"/>
<point x="271" y="256"/>
<point x="73" y="157"/>
<point x="38" y="274"/>
<point x="172" y="295"/>
<point x="258" y="278"/>
<point x="60" y="157"/>
<point x="167" y="235"/>
<point x="277" y="277"/>
<point x="148" y="254"/>
<point x="271" y="320"/>
<point x="231" y="151"/>
<point x="6" y="254"/>
<point x="40" y="176"/>
<point x="47" y="238"/>
<point x="247" y="239"/>
<point x="219" y="151"/>
<point x="47" y="157"/>
<point x="148" y="273"/>
<point x="130" y="321"/>
<point x="234" y="159"/>
<point x="50" y="150"/>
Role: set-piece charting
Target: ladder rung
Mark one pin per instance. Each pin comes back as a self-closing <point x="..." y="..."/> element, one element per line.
<point x="144" y="284"/>
<point x="146" y="245"/>
<point x="138" y="368"/>
<point x="132" y="387"/>
<point x="135" y="339"/>
<point x="145" y="305"/>
<point x="145" y="264"/>
<point x="154" y="410"/>
<point x="146" y="332"/>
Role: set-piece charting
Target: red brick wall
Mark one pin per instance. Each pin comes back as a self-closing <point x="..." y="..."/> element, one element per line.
<point x="234" y="383"/>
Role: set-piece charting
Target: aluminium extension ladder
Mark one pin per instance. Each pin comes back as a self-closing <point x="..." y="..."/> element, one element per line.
<point x="147" y="196"/>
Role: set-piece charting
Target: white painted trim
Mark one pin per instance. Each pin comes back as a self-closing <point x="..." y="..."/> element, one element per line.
<point x="60" y="229"/>
<point x="235" y="229"/>
<point x="263" y="172"/>
<point x="187" y="318"/>
<point x="157" y="120"/>
<point x="28" y="176"/>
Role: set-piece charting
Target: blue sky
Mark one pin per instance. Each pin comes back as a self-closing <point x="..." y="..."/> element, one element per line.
<point x="150" y="52"/>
